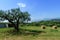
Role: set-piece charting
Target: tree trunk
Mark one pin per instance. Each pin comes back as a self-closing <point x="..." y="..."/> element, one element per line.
<point x="16" y="28"/>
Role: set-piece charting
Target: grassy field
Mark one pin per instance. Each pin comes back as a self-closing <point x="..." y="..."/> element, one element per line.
<point x="45" y="34"/>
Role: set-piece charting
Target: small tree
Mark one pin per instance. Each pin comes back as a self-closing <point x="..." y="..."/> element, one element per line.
<point x="15" y="17"/>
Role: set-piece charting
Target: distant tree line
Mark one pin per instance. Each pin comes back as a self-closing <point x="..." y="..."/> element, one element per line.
<point x="49" y="23"/>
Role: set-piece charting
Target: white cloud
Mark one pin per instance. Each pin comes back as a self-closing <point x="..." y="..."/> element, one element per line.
<point x="21" y="5"/>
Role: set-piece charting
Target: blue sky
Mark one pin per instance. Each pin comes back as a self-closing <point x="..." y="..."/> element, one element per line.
<point x="38" y="9"/>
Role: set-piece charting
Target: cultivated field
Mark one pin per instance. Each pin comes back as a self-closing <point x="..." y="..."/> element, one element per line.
<point x="30" y="33"/>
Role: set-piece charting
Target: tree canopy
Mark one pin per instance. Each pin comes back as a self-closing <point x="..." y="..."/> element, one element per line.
<point x="15" y="16"/>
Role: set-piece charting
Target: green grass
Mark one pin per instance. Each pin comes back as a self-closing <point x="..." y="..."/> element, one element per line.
<point x="46" y="34"/>
<point x="48" y="30"/>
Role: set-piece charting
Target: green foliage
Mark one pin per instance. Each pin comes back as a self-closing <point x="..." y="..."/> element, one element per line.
<point x="15" y="17"/>
<point x="49" y="23"/>
<point x="15" y="14"/>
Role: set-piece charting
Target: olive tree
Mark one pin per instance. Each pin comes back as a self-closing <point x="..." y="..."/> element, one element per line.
<point x="15" y="17"/>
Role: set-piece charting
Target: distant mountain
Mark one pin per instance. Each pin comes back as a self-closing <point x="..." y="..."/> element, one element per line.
<point x="58" y="20"/>
<point x="47" y="19"/>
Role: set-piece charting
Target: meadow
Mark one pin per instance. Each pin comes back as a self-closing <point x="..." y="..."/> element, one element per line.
<point x="30" y="33"/>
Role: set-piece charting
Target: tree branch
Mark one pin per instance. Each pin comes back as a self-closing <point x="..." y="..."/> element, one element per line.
<point x="9" y="20"/>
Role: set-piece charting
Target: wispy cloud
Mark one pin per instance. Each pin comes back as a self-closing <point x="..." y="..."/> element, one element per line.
<point x="21" y="5"/>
